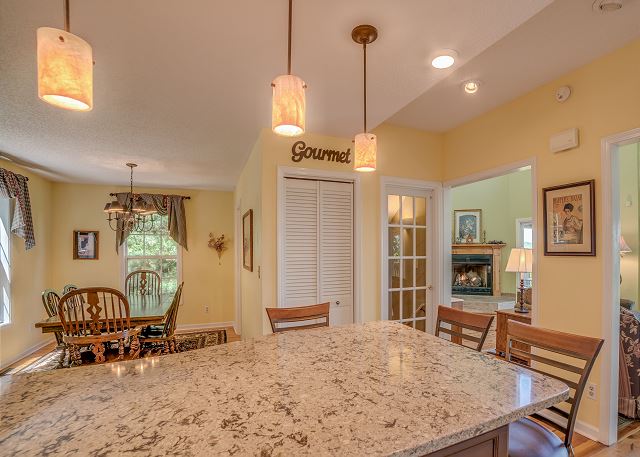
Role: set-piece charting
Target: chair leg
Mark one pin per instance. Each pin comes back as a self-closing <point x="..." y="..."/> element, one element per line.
<point x="63" y="353"/>
<point x="134" y="347"/>
<point x="74" y="352"/>
<point x="172" y="346"/>
<point x="120" y="349"/>
<point x="98" y="350"/>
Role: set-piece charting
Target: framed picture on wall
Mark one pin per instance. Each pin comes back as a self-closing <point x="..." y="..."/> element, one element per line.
<point x="86" y="245"/>
<point x="247" y="240"/>
<point x="467" y="225"/>
<point x="569" y="219"/>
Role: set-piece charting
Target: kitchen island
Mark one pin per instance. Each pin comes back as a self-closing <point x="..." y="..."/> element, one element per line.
<point x="379" y="388"/>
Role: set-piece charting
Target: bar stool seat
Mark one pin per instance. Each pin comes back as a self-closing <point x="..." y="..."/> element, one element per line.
<point x="527" y="438"/>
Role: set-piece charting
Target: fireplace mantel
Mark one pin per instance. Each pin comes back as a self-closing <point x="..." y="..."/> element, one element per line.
<point x="493" y="249"/>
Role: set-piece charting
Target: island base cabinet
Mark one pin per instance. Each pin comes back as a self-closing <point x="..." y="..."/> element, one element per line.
<point x="491" y="444"/>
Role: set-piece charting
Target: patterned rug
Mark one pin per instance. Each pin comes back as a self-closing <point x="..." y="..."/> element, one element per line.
<point x="185" y="342"/>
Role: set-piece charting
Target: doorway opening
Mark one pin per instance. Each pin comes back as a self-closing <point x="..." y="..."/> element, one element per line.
<point x="492" y="214"/>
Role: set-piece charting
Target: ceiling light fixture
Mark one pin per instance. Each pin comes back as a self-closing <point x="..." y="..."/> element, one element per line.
<point x="607" y="6"/>
<point x="65" y="67"/>
<point x="471" y="87"/>
<point x="444" y="59"/>
<point x="135" y="215"/>
<point x="288" y="105"/>
<point x="366" y="144"/>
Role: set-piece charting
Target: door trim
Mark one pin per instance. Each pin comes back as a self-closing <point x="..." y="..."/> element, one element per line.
<point x="610" y="211"/>
<point x="325" y="175"/>
<point x="437" y="294"/>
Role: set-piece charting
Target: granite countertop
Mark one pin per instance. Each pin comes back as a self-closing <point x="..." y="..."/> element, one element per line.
<point x="375" y="389"/>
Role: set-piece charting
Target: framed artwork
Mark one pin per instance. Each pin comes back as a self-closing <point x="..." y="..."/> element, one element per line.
<point x="467" y="225"/>
<point x="247" y="240"/>
<point x="86" y="244"/>
<point x="569" y="219"/>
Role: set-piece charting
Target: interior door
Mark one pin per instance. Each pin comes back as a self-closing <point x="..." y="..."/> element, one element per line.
<point x="407" y="254"/>
<point x="317" y="246"/>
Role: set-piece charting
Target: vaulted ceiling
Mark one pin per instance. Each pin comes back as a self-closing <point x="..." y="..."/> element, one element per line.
<point x="183" y="88"/>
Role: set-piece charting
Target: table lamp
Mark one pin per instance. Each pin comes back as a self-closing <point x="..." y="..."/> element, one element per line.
<point x="520" y="261"/>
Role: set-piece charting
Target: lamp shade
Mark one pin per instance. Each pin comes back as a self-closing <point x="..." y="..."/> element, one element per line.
<point x="366" y="147"/>
<point x="65" y="69"/>
<point x="624" y="247"/>
<point x="520" y="261"/>
<point x="288" y="105"/>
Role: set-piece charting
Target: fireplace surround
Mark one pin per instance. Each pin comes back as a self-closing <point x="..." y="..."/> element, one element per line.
<point x="475" y="269"/>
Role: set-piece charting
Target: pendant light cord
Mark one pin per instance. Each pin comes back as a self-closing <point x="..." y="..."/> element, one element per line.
<point x="289" y="37"/>
<point x="67" y="25"/>
<point x="364" y="49"/>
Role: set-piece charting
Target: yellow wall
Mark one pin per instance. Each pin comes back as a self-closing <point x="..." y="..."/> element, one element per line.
<point x="78" y="207"/>
<point x="403" y="153"/>
<point x="502" y="200"/>
<point x="29" y="274"/>
<point x="629" y="219"/>
<point x="604" y="101"/>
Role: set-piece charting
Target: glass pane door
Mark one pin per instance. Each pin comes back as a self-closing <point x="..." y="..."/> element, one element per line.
<point x="407" y="283"/>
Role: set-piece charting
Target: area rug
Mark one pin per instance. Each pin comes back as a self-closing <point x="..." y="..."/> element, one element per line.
<point x="185" y="342"/>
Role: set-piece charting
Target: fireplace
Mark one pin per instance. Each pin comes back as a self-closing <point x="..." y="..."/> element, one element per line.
<point x="472" y="274"/>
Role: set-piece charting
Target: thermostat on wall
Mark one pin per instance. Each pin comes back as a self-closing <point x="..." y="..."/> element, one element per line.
<point x="564" y="141"/>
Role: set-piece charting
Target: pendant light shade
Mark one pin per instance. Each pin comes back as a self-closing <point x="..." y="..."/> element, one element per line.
<point x="65" y="67"/>
<point x="366" y="146"/>
<point x="288" y="107"/>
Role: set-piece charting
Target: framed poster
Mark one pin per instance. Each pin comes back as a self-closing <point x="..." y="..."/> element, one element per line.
<point x="467" y="225"/>
<point x="569" y="219"/>
<point x="247" y="240"/>
<point x="86" y="245"/>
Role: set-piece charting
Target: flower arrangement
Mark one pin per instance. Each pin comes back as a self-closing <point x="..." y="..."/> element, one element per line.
<point x="219" y="244"/>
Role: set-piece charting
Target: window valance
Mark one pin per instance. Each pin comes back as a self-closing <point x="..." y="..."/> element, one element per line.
<point x="171" y="205"/>
<point x="15" y="186"/>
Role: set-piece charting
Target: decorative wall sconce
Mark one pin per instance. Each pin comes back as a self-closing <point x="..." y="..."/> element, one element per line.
<point x="219" y="244"/>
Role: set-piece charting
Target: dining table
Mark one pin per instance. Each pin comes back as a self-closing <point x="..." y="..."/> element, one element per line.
<point x="378" y="388"/>
<point x="143" y="310"/>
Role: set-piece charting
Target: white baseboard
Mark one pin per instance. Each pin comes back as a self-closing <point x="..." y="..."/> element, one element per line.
<point x="586" y="430"/>
<point x="24" y="354"/>
<point x="205" y="325"/>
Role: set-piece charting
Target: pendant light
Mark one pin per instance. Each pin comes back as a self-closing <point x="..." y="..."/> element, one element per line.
<point x="65" y="67"/>
<point x="288" y="106"/>
<point x="365" y="143"/>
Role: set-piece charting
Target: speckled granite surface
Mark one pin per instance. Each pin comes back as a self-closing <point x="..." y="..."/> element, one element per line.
<point x="374" y="389"/>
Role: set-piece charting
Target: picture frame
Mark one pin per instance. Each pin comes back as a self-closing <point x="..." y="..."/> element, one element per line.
<point x="570" y="219"/>
<point x="86" y="245"/>
<point x="247" y="240"/>
<point x="467" y="226"/>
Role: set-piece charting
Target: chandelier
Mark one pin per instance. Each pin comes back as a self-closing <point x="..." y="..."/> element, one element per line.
<point x="135" y="215"/>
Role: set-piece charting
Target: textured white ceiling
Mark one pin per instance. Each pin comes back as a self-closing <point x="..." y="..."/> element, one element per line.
<point x="182" y="87"/>
<point x="560" y="38"/>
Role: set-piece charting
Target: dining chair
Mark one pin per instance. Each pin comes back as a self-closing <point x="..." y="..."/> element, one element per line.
<point x="460" y="321"/>
<point x="298" y="314"/>
<point x="527" y="437"/>
<point x="50" y="300"/>
<point x="68" y="288"/>
<point x="143" y="282"/>
<point x="94" y="316"/>
<point x="164" y="334"/>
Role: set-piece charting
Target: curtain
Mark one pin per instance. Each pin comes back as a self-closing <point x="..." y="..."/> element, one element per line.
<point x="172" y="205"/>
<point x="15" y="186"/>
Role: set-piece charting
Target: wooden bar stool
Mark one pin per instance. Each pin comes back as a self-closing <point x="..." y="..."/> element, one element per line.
<point x="461" y="320"/>
<point x="298" y="314"/>
<point x="528" y="438"/>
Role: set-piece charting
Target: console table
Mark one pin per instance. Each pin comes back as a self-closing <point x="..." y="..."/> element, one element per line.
<point x="503" y="316"/>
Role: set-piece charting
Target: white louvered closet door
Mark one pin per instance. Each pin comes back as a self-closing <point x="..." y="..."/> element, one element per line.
<point x="317" y="264"/>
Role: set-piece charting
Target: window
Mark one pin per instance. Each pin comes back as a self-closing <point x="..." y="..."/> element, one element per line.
<point x="5" y="260"/>
<point x="155" y="250"/>
<point x="524" y="239"/>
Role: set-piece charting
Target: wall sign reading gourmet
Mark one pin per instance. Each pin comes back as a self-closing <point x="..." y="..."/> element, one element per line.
<point x="300" y="151"/>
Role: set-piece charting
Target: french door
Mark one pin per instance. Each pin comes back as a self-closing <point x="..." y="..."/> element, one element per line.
<point x="407" y="268"/>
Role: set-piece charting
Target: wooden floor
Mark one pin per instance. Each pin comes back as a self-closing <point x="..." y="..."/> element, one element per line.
<point x="583" y="447"/>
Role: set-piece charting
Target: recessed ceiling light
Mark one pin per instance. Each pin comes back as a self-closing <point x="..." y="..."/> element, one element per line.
<point x="471" y="87"/>
<point x="444" y="59"/>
